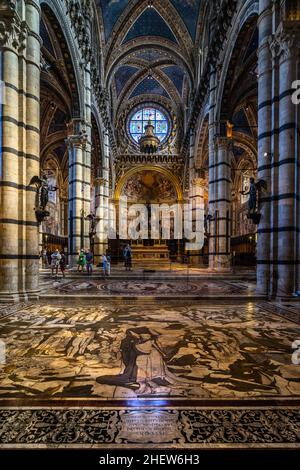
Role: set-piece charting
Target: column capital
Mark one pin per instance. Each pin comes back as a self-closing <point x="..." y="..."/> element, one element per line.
<point x="78" y="140"/>
<point x="77" y="134"/>
<point x="99" y="180"/>
<point x="223" y="142"/>
<point x="283" y="42"/>
<point x="13" y="31"/>
<point x="200" y="182"/>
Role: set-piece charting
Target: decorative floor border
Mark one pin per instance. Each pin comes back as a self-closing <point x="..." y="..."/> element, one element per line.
<point x="9" y="309"/>
<point x="165" y="427"/>
<point x="291" y="312"/>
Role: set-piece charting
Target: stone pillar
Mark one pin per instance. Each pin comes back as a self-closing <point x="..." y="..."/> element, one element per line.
<point x="86" y="174"/>
<point x="32" y="140"/>
<point x="102" y="205"/>
<point x="287" y="198"/>
<point x="100" y="244"/>
<point x="81" y="16"/>
<point x="264" y="141"/>
<point x="197" y="216"/>
<point x="78" y="229"/>
<point x="212" y="168"/>
<point x="20" y="58"/>
<point x="223" y="205"/>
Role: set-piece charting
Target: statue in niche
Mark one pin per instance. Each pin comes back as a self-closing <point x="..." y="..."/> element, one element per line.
<point x="93" y="220"/>
<point x="254" y="189"/>
<point x="42" y="189"/>
<point x="252" y="201"/>
<point x="207" y="219"/>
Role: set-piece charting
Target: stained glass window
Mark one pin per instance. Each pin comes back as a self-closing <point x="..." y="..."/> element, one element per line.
<point x="142" y="117"/>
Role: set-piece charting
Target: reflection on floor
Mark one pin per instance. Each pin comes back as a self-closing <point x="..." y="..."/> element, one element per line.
<point x="110" y="352"/>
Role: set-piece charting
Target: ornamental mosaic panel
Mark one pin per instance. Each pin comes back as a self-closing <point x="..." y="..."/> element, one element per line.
<point x="149" y="186"/>
<point x="108" y="351"/>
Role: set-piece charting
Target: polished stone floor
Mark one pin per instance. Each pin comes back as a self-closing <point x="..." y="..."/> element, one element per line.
<point x="148" y="428"/>
<point x="107" y="351"/>
<point x="86" y="372"/>
<point x="137" y="288"/>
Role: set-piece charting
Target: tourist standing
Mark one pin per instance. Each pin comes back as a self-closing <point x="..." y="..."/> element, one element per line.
<point x="89" y="262"/>
<point x="63" y="263"/>
<point x="104" y="265"/>
<point x="108" y="264"/>
<point x="49" y="256"/>
<point x="81" y="263"/>
<point x="128" y="258"/>
<point x="55" y="260"/>
<point x="44" y="258"/>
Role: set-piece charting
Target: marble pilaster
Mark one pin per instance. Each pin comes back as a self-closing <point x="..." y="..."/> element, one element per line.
<point x="264" y="140"/>
<point x="212" y="168"/>
<point x="20" y="59"/>
<point x="223" y="204"/>
<point x="286" y="201"/>
<point x="32" y="140"/>
<point x="78" y="230"/>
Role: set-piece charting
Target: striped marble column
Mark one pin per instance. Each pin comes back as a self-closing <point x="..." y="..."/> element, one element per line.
<point x="212" y="168"/>
<point x="77" y="200"/>
<point x="223" y="204"/>
<point x="11" y="253"/>
<point x="87" y="154"/>
<point x="264" y="141"/>
<point x="103" y="212"/>
<point x="100" y="244"/>
<point x="287" y="199"/>
<point x="14" y="179"/>
<point x="197" y="203"/>
<point x="32" y="141"/>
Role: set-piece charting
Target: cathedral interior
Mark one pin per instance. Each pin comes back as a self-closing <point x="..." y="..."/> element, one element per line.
<point x="110" y="110"/>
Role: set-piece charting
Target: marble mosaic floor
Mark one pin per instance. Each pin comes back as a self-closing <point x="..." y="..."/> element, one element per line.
<point x="109" y="352"/>
<point x="156" y="288"/>
<point x="165" y="428"/>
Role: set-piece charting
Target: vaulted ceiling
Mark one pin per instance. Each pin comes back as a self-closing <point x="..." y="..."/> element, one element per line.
<point x="149" y="50"/>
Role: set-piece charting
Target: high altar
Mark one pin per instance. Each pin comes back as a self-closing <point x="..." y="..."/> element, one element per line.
<point x="157" y="252"/>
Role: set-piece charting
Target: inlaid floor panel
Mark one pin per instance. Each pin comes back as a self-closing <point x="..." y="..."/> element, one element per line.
<point x="155" y="351"/>
<point x="134" y="288"/>
<point x="170" y="428"/>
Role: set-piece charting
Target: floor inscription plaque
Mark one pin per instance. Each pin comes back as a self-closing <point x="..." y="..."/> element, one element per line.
<point x="149" y="426"/>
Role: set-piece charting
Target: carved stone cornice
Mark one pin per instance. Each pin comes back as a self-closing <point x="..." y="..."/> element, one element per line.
<point x="13" y="31"/>
<point x="123" y="163"/>
<point x="225" y="13"/>
<point x="80" y="14"/>
<point x="102" y="100"/>
<point x="145" y="158"/>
